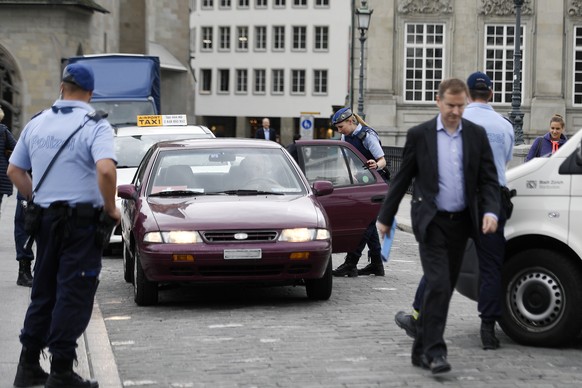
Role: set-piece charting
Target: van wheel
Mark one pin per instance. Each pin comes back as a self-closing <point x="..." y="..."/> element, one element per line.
<point x="145" y="293"/>
<point x="128" y="264"/>
<point x="541" y="305"/>
<point x="320" y="289"/>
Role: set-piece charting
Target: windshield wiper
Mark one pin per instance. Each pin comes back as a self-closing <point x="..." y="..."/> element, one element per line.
<point x="247" y="192"/>
<point x="177" y="193"/>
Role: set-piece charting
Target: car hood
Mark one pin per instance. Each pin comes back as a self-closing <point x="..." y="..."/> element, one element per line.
<point x="236" y="212"/>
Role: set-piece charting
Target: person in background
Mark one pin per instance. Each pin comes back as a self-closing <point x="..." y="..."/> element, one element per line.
<point x="24" y="255"/>
<point x="7" y="144"/>
<point x="266" y="132"/>
<point x="78" y="192"/>
<point x="490" y="247"/>
<point x="551" y="141"/>
<point x="292" y="148"/>
<point x="455" y="196"/>
<point x="355" y="131"/>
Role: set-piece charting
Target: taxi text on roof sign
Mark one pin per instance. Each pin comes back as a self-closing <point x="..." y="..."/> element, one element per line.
<point x="159" y="120"/>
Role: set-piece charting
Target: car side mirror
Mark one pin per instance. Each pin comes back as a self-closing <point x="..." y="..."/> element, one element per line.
<point x="321" y="188"/>
<point x="127" y="192"/>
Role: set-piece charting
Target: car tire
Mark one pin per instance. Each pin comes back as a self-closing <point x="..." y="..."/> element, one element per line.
<point x="320" y="289"/>
<point x="128" y="264"/>
<point x="542" y="298"/>
<point x="145" y="292"/>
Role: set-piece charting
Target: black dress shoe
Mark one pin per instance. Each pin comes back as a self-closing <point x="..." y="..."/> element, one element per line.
<point x="346" y="269"/>
<point x="439" y="364"/>
<point x="69" y="379"/>
<point x="419" y="361"/>
<point x="376" y="269"/>
<point x="406" y="322"/>
<point x="488" y="339"/>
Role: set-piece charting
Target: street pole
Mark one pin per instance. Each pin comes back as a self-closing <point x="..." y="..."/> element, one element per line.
<point x="516" y="115"/>
<point x="363" y="15"/>
<point x="361" y="87"/>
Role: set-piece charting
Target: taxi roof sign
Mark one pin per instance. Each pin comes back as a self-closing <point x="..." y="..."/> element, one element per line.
<point x="159" y="120"/>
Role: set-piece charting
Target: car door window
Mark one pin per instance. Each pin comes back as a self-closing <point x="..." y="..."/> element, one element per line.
<point x="336" y="164"/>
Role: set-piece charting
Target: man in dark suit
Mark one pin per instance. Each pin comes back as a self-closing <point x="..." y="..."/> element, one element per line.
<point x="266" y="132"/>
<point x="455" y="180"/>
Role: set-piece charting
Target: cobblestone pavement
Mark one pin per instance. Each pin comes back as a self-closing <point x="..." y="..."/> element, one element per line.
<point x="276" y="337"/>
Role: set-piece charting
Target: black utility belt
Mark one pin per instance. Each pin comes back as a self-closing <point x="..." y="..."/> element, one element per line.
<point x="78" y="210"/>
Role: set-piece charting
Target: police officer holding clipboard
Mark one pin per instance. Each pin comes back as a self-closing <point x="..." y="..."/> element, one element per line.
<point x="70" y="149"/>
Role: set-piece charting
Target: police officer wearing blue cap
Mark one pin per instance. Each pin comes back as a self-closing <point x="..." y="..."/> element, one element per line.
<point x="355" y="131"/>
<point x="71" y="191"/>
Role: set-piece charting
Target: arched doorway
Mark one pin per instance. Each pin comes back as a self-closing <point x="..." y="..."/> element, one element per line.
<point x="10" y="92"/>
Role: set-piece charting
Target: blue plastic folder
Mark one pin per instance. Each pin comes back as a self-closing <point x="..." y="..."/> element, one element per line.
<point x="387" y="243"/>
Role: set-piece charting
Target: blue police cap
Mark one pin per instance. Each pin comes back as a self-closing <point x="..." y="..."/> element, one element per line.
<point x="479" y="81"/>
<point x="341" y="115"/>
<point x="80" y="75"/>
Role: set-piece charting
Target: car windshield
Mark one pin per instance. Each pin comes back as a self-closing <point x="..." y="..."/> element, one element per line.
<point x="225" y="171"/>
<point x="131" y="149"/>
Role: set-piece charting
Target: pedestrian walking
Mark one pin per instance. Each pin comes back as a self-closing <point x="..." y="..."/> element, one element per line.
<point x="7" y="144"/>
<point x="490" y="247"/>
<point x="358" y="133"/>
<point x="450" y="160"/>
<point x="70" y="195"/>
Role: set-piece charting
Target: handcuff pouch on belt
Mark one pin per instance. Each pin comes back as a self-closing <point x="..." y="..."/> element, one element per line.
<point x="32" y="218"/>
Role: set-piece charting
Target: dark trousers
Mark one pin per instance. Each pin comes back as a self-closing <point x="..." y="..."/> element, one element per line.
<point x="20" y="236"/>
<point x="67" y="267"/>
<point x="490" y="251"/>
<point x="441" y="255"/>
<point x="371" y="238"/>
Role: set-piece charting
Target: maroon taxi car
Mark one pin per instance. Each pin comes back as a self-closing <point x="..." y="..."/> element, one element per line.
<point x="242" y="210"/>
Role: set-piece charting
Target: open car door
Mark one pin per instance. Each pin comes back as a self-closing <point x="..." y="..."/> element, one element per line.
<point x="358" y="192"/>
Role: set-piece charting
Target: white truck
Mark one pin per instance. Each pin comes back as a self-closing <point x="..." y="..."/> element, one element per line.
<point x="542" y="271"/>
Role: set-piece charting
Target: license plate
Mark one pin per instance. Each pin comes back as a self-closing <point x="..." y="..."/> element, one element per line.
<point x="238" y="254"/>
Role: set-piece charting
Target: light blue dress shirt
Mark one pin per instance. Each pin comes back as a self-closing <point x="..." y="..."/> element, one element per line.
<point x="451" y="195"/>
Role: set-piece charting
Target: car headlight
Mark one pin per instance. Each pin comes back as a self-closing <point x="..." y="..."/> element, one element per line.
<point x="304" y="234"/>
<point x="173" y="237"/>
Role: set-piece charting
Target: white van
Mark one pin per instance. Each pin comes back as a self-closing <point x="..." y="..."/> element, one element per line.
<point x="542" y="272"/>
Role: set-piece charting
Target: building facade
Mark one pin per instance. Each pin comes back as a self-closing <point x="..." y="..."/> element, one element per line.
<point x="412" y="44"/>
<point x="39" y="35"/>
<point x="270" y="58"/>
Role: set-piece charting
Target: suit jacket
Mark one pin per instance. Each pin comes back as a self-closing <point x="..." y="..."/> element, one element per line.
<point x="419" y="161"/>
<point x="260" y="134"/>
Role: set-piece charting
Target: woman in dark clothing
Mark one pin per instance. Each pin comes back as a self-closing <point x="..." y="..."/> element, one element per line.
<point x="7" y="144"/>
<point x="549" y="143"/>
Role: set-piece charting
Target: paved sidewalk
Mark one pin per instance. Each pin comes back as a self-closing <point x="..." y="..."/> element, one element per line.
<point x="95" y="357"/>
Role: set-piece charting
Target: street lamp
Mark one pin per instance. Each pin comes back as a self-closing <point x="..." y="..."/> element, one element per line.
<point x="516" y="115"/>
<point x="363" y="15"/>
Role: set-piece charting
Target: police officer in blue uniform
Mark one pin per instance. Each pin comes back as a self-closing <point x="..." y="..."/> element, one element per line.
<point x="77" y="192"/>
<point x="355" y="131"/>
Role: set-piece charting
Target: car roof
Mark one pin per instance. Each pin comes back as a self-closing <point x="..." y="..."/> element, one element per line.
<point x="133" y="130"/>
<point x="218" y="142"/>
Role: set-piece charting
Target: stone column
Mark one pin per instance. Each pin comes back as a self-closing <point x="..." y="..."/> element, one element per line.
<point x="546" y="70"/>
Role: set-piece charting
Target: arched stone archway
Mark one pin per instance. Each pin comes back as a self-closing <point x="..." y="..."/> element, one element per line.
<point x="10" y="92"/>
